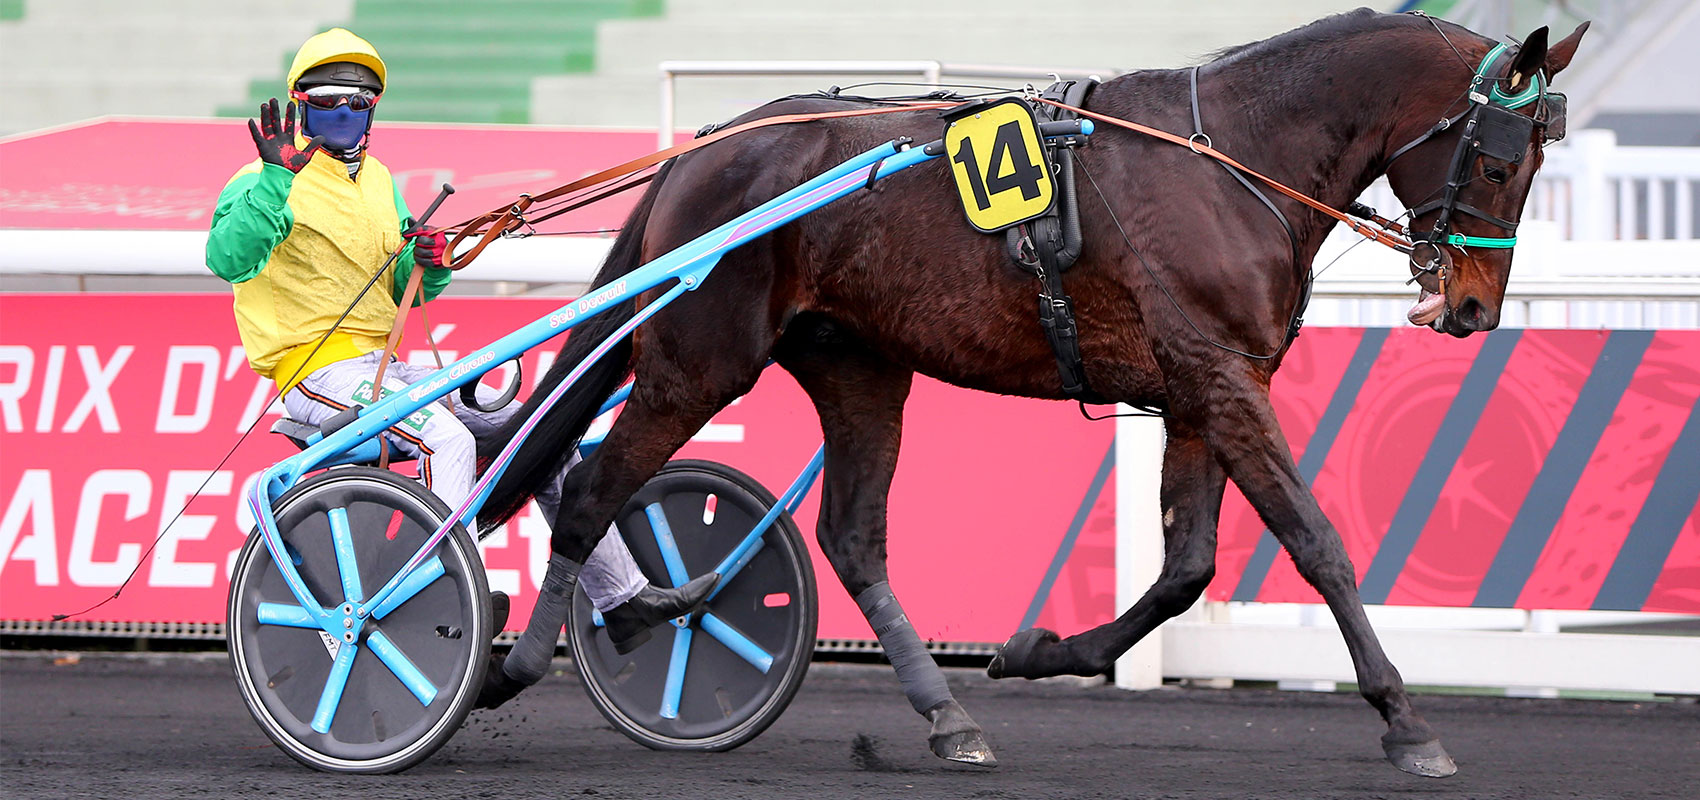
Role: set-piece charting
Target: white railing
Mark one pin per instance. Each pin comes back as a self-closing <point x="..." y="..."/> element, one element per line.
<point x="1593" y="189"/>
<point x="1298" y="645"/>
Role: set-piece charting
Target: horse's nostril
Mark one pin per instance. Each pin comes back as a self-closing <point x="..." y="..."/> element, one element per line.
<point x="1476" y="316"/>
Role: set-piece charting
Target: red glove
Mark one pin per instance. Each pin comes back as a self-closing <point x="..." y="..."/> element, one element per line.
<point x="430" y="245"/>
<point x="276" y="142"/>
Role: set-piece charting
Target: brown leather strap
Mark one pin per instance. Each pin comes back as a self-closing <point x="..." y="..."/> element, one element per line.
<point x="502" y="220"/>
<point x="390" y="343"/>
<point x="1370" y="232"/>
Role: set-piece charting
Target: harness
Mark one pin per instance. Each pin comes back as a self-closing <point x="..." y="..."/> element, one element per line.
<point x="1492" y="129"/>
<point x="1049" y="244"/>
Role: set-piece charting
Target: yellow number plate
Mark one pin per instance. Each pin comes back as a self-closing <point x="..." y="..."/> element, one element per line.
<point x="999" y="165"/>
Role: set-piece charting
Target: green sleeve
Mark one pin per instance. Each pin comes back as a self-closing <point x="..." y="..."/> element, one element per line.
<point x="435" y="280"/>
<point x="251" y="218"/>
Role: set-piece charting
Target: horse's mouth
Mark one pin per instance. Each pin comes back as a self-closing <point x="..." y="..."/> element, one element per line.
<point x="1429" y="307"/>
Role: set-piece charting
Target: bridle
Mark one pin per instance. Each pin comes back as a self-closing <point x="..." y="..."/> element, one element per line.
<point x="1491" y="129"/>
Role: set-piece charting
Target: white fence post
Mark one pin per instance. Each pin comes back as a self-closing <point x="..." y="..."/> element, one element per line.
<point x="1593" y="204"/>
<point x="1139" y="538"/>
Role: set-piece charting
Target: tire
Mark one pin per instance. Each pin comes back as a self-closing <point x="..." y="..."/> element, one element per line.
<point x="379" y="726"/>
<point x="726" y="701"/>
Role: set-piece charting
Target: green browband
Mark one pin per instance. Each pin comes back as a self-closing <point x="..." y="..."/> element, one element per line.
<point x="1531" y="91"/>
<point x="1505" y="243"/>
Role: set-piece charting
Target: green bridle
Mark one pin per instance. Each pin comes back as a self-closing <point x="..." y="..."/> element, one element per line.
<point x="1492" y="129"/>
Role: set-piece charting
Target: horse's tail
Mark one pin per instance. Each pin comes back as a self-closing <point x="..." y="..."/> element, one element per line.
<point x="550" y="443"/>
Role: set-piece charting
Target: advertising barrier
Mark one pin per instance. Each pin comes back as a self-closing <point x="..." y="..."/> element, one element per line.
<point x="1534" y="469"/>
<point x="113" y="408"/>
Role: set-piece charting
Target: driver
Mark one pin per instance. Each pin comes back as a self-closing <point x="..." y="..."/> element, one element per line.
<point x="300" y="230"/>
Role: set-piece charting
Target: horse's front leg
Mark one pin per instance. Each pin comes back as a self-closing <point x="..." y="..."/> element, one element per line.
<point x="1241" y="430"/>
<point x="1192" y="501"/>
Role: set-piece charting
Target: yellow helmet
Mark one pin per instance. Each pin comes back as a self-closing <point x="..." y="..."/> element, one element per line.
<point x="338" y="46"/>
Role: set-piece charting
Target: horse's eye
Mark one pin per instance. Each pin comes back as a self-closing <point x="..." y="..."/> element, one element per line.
<point x="1494" y="174"/>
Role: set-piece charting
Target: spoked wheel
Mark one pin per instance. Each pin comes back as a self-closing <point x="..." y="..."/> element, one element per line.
<point x="720" y="679"/>
<point x="394" y="694"/>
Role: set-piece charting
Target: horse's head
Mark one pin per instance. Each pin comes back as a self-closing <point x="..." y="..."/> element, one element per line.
<point x="1466" y="178"/>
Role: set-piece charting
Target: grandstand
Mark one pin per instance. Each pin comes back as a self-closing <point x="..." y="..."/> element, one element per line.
<point x="594" y="62"/>
<point x="560" y="61"/>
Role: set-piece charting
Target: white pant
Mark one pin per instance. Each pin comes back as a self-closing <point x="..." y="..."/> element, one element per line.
<point x="446" y="446"/>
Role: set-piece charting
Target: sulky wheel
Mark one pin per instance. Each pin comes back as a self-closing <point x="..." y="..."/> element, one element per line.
<point x="720" y="680"/>
<point x="418" y="658"/>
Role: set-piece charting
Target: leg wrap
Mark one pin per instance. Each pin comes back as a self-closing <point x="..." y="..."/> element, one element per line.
<point x="922" y="680"/>
<point x="536" y="646"/>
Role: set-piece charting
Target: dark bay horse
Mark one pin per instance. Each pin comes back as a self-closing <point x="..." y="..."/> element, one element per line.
<point x="853" y="300"/>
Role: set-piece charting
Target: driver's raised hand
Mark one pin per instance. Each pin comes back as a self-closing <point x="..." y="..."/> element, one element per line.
<point x="276" y="140"/>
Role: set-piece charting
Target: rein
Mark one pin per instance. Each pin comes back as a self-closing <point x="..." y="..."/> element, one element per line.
<point x="1367" y="230"/>
<point x="507" y="219"/>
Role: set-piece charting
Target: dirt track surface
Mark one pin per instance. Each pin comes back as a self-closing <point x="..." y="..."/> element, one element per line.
<point x="136" y="727"/>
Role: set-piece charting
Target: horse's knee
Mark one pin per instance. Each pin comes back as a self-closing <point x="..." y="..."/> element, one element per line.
<point x="1180" y="586"/>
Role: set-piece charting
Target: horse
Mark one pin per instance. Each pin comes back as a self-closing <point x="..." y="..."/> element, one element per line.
<point x="1186" y="295"/>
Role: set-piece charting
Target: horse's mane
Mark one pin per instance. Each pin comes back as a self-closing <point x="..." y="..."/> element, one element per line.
<point x="1322" y="32"/>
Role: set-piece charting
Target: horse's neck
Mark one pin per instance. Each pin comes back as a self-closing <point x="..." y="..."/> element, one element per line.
<point x="1308" y="126"/>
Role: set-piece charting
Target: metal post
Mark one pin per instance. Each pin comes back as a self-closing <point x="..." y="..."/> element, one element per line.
<point x="664" y="136"/>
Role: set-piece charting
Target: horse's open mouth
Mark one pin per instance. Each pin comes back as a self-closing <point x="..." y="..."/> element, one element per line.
<point x="1429" y="307"/>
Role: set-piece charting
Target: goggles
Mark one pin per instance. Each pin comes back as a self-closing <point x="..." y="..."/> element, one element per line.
<point x="358" y="100"/>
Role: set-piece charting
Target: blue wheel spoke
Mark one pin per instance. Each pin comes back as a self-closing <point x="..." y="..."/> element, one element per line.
<point x="737" y="642"/>
<point x="669" y="548"/>
<point x="346" y="564"/>
<point x="422" y="576"/>
<point x="286" y="615"/>
<point x="402" y="667"/>
<point x="338" y="680"/>
<point x="675" y="686"/>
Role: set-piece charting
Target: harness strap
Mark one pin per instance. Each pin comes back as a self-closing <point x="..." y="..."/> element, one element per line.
<point x="493" y="224"/>
<point x="1056" y="317"/>
<point x="395" y="338"/>
<point x="1296" y="321"/>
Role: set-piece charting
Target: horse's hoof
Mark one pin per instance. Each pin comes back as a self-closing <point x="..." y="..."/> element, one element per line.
<point x="498" y="687"/>
<point x="957" y="737"/>
<point x="1015" y="658"/>
<point x="1427" y="759"/>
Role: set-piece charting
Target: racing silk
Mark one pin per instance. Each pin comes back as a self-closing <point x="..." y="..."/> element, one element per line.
<point x="298" y="248"/>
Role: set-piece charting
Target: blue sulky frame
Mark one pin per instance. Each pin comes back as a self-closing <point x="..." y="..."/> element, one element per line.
<point x="686" y="268"/>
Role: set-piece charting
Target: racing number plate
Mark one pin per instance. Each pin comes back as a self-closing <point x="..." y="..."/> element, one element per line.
<point x="999" y="164"/>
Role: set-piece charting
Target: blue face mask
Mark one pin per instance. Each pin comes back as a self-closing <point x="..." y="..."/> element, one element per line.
<point x="343" y="129"/>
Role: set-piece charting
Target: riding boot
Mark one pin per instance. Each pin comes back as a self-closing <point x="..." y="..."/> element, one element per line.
<point x="629" y="622"/>
<point x="498" y="688"/>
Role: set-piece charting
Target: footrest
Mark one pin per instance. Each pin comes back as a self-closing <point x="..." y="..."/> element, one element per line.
<point x="297" y="432"/>
<point x="364" y="453"/>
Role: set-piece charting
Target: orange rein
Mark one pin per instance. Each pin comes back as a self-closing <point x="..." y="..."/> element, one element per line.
<point x="1363" y="229"/>
<point x="509" y="218"/>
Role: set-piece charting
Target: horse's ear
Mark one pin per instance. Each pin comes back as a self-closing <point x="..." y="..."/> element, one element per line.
<point x="1530" y="58"/>
<point x="1559" y="55"/>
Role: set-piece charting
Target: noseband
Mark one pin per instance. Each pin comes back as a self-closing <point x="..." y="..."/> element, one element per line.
<point x="1492" y="129"/>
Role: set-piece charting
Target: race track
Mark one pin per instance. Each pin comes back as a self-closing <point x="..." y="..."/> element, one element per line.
<point x="158" y="726"/>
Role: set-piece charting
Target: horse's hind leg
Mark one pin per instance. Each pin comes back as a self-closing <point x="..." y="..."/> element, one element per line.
<point x="1243" y="433"/>
<point x="860" y="400"/>
<point x="1191" y="500"/>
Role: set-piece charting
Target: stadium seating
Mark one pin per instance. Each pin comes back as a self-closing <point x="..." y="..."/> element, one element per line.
<point x="564" y="61"/>
<point x="470" y="62"/>
<point x="67" y="60"/>
<point x="1058" y="33"/>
